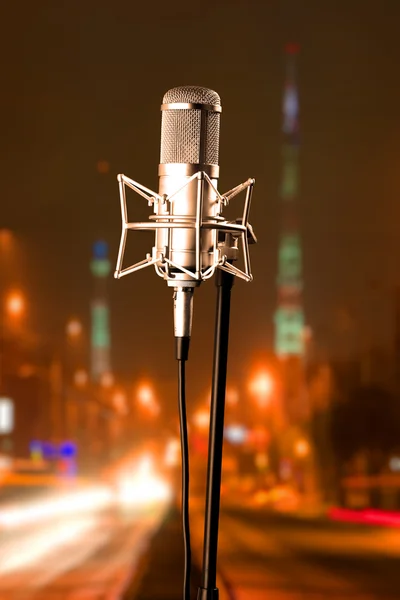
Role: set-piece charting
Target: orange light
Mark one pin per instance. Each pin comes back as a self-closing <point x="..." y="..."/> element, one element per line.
<point x="15" y="304"/>
<point x="119" y="401"/>
<point x="80" y="378"/>
<point x="232" y="396"/>
<point x="262" y="386"/>
<point x="6" y="238"/>
<point x="302" y="448"/>
<point x="172" y="452"/>
<point x="74" y="328"/>
<point x="145" y="395"/>
<point x="146" y="398"/>
<point x="26" y="370"/>
<point x="107" y="380"/>
<point x="201" y="419"/>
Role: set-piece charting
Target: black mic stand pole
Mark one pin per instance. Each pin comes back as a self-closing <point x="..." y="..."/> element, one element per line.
<point x="208" y="589"/>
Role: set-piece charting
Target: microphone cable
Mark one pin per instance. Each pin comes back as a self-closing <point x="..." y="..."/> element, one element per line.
<point x="185" y="477"/>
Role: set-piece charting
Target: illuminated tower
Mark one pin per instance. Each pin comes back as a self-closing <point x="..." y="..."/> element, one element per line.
<point x="289" y="316"/>
<point x="100" y="339"/>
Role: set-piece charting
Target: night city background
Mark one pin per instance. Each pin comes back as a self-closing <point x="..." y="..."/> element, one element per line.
<point x="89" y="432"/>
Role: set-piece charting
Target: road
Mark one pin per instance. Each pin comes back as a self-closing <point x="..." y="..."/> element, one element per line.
<point x="265" y="556"/>
<point x="90" y="549"/>
<point x="85" y="553"/>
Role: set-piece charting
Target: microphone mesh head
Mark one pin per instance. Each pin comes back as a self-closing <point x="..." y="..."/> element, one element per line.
<point x="193" y="94"/>
<point x="181" y="128"/>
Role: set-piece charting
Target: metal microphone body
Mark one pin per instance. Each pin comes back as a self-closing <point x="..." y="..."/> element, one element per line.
<point x="190" y="125"/>
<point x="182" y="242"/>
<point x="192" y="237"/>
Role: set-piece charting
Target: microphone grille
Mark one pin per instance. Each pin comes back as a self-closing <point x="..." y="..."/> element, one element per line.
<point x="193" y="94"/>
<point x="181" y="128"/>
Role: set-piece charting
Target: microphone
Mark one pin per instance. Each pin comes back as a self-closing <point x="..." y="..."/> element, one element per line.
<point x="190" y="125"/>
<point x="192" y="238"/>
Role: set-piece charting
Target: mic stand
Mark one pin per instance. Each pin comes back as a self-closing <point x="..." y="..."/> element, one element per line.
<point x="208" y="589"/>
<point x="223" y="254"/>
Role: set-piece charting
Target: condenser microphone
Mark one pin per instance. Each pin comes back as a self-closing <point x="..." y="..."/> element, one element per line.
<point x="190" y="125"/>
<point x="192" y="237"/>
<point x="193" y="240"/>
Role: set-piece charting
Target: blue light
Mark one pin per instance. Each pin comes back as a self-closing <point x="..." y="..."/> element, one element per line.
<point x="68" y="450"/>
<point x="49" y="450"/>
<point x="35" y="446"/>
<point x="100" y="249"/>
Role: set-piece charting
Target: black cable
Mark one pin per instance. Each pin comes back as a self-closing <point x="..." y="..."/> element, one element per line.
<point x="185" y="478"/>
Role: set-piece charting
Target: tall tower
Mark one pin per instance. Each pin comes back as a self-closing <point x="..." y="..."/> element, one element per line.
<point x="289" y="316"/>
<point x="100" y="338"/>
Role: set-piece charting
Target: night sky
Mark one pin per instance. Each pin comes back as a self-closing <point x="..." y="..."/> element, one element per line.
<point x="83" y="82"/>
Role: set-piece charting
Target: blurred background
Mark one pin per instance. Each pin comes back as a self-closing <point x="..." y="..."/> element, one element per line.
<point x="89" y="431"/>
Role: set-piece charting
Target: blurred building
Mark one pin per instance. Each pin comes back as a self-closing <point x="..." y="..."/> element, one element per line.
<point x="100" y="339"/>
<point x="26" y="384"/>
<point x="289" y="316"/>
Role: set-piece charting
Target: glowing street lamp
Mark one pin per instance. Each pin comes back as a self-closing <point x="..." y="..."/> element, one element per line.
<point x="146" y="398"/>
<point x="262" y="386"/>
<point x="172" y="452"/>
<point x="301" y="448"/>
<point x="6" y="238"/>
<point x="145" y="395"/>
<point x="15" y="304"/>
<point x="201" y="419"/>
<point x="73" y="329"/>
<point x="80" y="378"/>
<point x="107" y="380"/>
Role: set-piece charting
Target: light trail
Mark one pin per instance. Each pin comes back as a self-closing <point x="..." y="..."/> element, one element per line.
<point x="367" y="516"/>
<point x="33" y="549"/>
<point x="89" y="500"/>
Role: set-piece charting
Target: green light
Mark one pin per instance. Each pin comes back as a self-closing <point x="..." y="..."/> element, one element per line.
<point x="100" y="267"/>
<point x="290" y="260"/>
<point x="289" y="331"/>
<point x="100" y="329"/>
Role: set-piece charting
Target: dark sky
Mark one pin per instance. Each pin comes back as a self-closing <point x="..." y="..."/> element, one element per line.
<point x="83" y="81"/>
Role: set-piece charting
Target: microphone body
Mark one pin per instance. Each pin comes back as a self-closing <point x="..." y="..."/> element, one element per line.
<point x="190" y="126"/>
<point x="188" y="207"/>
<point x="180" y="241"/>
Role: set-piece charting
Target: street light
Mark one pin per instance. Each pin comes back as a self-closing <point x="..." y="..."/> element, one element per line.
<point x="262" y="386"/>
<point x="202" y="419"/>
<point x="6" y="238"/>
<point x="15" y="304"/>
<point x="80" y="378"/>
<point x="172" y="452"/>
<point x="146" y="398"/>
<point x="73" y="329"/>
<point x="145" y="395"/>
<point x="302" y="448"/>
<point x="107" y="380"/>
